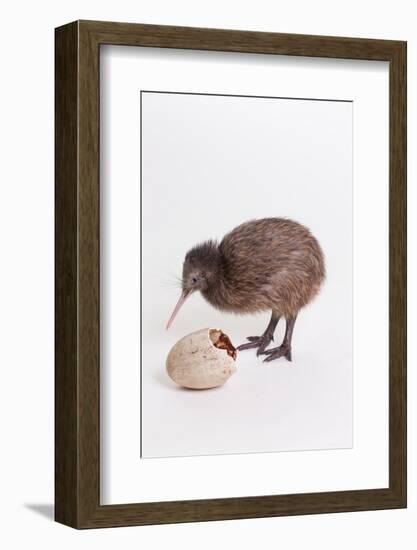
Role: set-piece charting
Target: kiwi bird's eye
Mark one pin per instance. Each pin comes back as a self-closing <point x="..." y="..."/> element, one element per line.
<point x="194" y="280"/>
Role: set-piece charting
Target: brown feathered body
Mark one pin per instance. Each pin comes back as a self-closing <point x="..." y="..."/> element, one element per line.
<point x="268" y="264"/>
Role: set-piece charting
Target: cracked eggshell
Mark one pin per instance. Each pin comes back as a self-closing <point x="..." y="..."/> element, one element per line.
<point x="195" y="362"/>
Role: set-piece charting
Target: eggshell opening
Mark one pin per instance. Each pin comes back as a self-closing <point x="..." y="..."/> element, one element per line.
<point x="221" y="341"/>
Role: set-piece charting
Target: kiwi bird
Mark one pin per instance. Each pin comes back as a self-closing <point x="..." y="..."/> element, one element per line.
<point x="271" y="264"/>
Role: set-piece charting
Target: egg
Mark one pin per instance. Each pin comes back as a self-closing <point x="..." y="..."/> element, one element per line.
<point x="202" y="360"/>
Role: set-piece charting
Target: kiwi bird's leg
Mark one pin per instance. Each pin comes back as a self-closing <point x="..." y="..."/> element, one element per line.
<point x="262" y="342"/>
<point x="284" y="350"/>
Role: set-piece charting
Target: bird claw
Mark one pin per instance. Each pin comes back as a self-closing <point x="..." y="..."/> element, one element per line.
<point x="276" y="353"/>
<point x="261" y="342"/>
<point x="257" y="338"/>
<point x="251" y="345"/>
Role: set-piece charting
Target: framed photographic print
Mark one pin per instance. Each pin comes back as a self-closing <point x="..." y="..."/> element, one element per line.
<point x="230" y="274"/>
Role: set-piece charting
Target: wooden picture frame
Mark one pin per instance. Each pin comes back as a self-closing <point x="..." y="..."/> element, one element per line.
<point x="77" y="370"/>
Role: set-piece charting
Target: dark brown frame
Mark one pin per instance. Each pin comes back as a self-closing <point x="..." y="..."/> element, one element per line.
<point x="77" y="372"/>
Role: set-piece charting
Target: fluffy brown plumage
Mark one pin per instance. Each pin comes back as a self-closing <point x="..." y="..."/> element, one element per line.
<point x="268" y="264"/>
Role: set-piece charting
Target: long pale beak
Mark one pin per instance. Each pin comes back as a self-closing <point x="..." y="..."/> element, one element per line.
<point x="180" y="303"/>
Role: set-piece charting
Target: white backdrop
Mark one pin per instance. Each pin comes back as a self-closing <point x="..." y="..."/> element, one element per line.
<point x="26" y="318"/>
<point x="208" y="164"/>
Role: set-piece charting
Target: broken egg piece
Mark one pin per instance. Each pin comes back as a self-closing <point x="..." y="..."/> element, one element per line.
<point x="201" y="360"/>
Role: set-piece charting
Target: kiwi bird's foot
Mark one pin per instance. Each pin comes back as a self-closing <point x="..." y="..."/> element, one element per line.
<point x="275" y="353"/>
<point x="260" y="342"/>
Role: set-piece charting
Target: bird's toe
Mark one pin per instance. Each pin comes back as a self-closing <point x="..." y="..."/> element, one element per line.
<point x="260" y="342"/>
<point x="262" y="348"/>
<point x="251" y="345"/>
<point x="266" y="351"/>
<point x="276" y="353"/>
